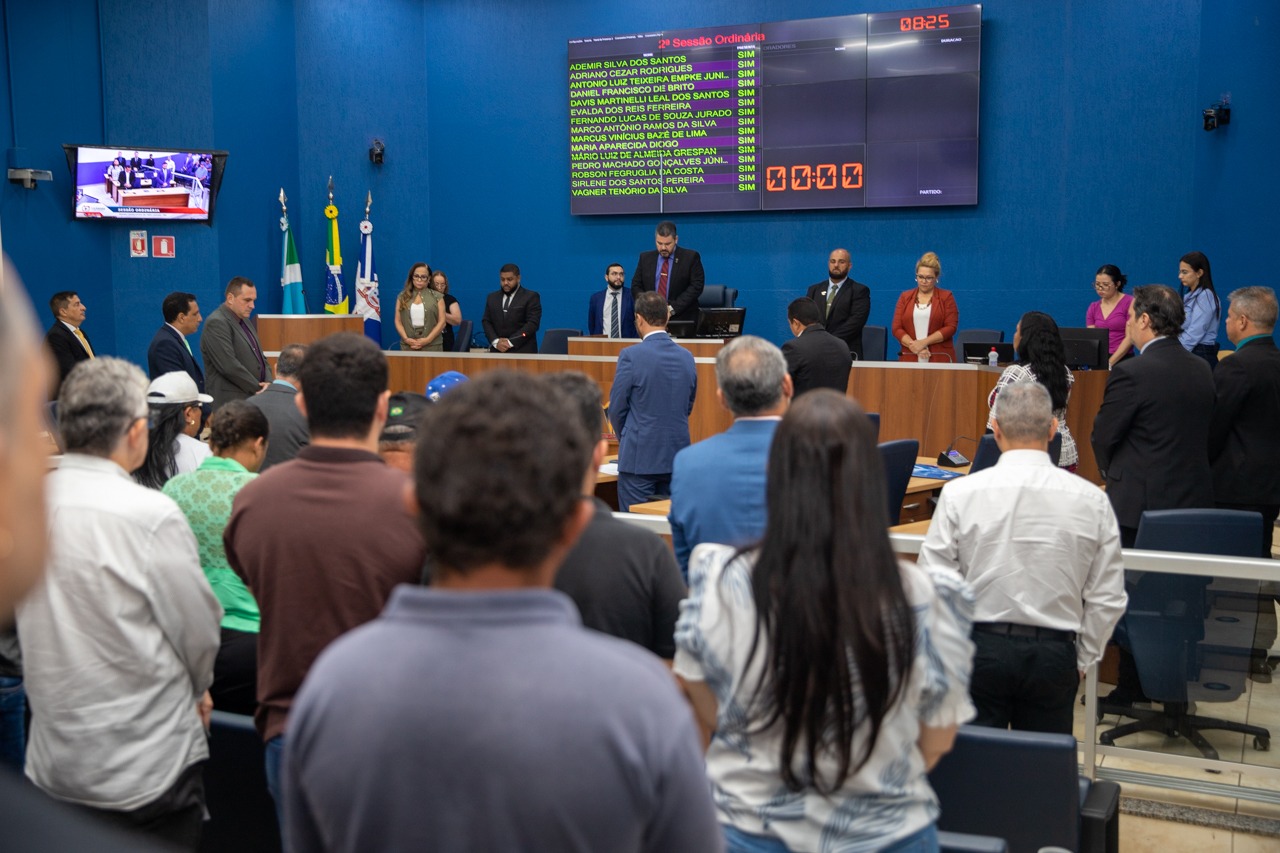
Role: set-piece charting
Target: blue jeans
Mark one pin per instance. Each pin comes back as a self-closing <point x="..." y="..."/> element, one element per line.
<point x="13" y="723"/>
<point x="737" y="841"/>
<point x="273" y="750"/>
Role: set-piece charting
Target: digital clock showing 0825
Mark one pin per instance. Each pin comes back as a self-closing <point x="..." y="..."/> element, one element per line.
<point x="924" y="22"/>
<point x="824" y="176"/>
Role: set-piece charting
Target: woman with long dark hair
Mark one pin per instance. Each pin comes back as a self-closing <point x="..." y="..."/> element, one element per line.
<point x="419" y="314"/>
<point x="833" y="675"/>
<point x="1200" y="302"/>
<point x="1041" y="358"/>
<point x="174" y="407"/>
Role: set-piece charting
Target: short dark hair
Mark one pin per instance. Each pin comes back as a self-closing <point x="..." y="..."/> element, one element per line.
<point x="512" y="477"/>
<point x="289" y="362"/>
<point x="611" y="266"/>
<point x="342" y="377"/>
<point x="235" y="423"/>
<point x="584" y="395"/>
<point x="237" y="284"/>
<point x="176" y="303"/>
<point x="804" y="311"/>
<point x="1163" y="305"/>
<point x="652" y="308"/>
<point x="666" y="228"/>
<point x="61" y="300"/>
<point x="511" y="268"/>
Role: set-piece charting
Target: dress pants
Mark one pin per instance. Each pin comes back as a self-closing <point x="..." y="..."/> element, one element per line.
<point x="1024" y="682"/>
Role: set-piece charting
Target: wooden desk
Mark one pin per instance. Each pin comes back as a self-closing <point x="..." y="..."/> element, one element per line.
<point x="936" y="403"/>
<point x="662" y="508"/>
<point x="699" y="347"/>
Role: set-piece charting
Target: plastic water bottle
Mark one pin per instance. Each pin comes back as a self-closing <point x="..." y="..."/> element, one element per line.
<point x="993" y="357"/>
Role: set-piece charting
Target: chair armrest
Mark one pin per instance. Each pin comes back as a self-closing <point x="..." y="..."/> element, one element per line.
<point x="963" y="842"/>
<point x="1100" y="818"/>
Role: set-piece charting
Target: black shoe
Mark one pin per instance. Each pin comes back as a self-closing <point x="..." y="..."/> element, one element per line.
<point x="1123" y="698"/>
<point x="1259" y="671"/>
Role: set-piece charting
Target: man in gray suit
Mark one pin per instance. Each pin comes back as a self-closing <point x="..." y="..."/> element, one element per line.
<point x="235" y="368"/>
<point x="278" y="402"/>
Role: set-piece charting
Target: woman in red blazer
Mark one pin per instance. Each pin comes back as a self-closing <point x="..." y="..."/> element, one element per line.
<point x="930" y="310"/>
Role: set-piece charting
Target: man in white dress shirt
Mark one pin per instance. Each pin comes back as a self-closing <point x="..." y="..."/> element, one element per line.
<point x="119" y="640"/>
<point x="1041" y="548"/>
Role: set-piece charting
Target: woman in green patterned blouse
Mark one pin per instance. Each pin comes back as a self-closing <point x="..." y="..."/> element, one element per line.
<point x="238" y="436"/>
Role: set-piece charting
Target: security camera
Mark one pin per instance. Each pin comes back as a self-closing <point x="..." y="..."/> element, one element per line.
<point x="1218" y="115"/>
<point x="375" y="153"/>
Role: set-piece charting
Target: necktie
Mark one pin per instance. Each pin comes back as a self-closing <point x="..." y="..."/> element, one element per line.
<point x="186" y="343"/>
<point x="832" y="290"/>
<point x="506" y="302"/>
<point x="615" y="324"/>
<point x="84" y="342"/>
<point x="662" y="278"/>
<point x="253" y="344"/>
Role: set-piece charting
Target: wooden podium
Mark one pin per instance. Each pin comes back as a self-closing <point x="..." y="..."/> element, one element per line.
<point x="277" y="330"/>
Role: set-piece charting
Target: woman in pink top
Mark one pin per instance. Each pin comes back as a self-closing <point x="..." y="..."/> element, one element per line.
<point x="1111" y="311"/>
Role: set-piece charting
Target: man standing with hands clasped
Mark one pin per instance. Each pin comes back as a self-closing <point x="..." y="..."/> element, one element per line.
<point x="672" y="272"/>
<point x="512" y="314"/>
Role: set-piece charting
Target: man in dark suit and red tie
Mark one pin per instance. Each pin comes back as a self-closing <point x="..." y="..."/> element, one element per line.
<point x="845" y="303"/>
<point x="672" y="272"/>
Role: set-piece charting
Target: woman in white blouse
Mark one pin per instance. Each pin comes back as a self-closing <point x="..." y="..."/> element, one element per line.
<point x="174" y="421"/>
<point x="833" y="675"/>
<point x="420" y="316"/>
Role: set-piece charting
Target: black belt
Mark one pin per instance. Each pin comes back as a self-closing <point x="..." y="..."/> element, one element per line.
<point x="1012" y="629"/>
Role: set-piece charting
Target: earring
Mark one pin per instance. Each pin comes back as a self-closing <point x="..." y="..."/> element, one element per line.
<point x="190" y="422"/>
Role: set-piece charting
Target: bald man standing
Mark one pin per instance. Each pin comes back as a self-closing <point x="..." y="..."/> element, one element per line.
<point x="845" y="303"/>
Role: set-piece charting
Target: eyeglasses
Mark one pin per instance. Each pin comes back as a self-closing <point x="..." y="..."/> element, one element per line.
<point x="421" y="277"/>
<point x="924" y="278"/>
<point x="1102" y="285"/>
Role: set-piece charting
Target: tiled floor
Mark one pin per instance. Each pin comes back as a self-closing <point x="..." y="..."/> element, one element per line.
<point x="1259" y="705"/>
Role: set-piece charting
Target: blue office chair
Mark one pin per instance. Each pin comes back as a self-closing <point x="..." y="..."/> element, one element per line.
<point x="988" y="453"/>
<point x="899" y="458"/>
<point x="717" y="296"/>
<point x="1186" y="651"/>
<point x="875" y="423"/>
<point x="874" y="340"/>
<point x="242" y="815"/>
<point x="556" y="341"/>
<point x="977" y="336"/>
<point x="989" y="769"/>
<point x="462" y="336"/>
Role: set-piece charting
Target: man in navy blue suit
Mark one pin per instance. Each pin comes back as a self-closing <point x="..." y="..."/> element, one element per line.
<point x="169" y="350"/>
<point x="649" y="405"/>
<point x="612" y="310"/>
<point x="718" y="485"/>
<point x="673" y="272"/>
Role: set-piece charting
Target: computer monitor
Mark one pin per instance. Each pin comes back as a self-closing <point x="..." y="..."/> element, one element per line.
<point x="977" y="352"/>
<point x="1086" y="349"/>
<point x="721" y="322"/>
<point x="682" y="328"/>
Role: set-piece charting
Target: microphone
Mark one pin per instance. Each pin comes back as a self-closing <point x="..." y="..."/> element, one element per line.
<point x="952" y="458"/>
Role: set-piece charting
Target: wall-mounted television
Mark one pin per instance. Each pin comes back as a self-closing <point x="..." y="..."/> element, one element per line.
<point x="143" y="183"/>
<point x="870" y="110"/>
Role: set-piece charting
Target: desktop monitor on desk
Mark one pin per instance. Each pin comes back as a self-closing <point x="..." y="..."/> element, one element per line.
<point x="721" y="322"/>
<point x="1086" y="349"/>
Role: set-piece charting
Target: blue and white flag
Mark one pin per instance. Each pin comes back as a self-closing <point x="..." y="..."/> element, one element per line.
<point x="367" y="305"/>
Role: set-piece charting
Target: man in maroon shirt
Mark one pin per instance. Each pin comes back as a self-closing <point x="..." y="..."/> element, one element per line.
<point x="321" y="540"/>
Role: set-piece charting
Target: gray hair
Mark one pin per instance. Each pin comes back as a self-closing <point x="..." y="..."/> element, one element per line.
<point x="99" y="401"/>
<point x="1256" y="303"/>
<point x="290" y="359"/>
<point x="17" y="341"/>
<point x="1024" y="412"/>
<point x="749" y="371"/>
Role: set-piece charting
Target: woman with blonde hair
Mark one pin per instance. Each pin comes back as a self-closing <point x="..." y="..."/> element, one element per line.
<point x="926" y="317"/>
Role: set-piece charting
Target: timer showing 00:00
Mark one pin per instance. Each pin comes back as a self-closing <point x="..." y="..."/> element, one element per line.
<point x="825" y="176"/>
<point x="925" y="22"/>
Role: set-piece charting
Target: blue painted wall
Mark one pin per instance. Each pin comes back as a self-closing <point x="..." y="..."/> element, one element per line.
<point x="1092" y="152"/>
